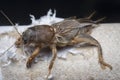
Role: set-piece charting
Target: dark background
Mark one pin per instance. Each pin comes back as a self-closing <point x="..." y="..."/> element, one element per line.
<point x="18" y="11"/>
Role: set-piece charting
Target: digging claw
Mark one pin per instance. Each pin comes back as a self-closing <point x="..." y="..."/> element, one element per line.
<point x="28" y="64"/>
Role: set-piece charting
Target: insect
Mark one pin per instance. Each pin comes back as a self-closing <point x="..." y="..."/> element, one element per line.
<point x="70" y="31"/>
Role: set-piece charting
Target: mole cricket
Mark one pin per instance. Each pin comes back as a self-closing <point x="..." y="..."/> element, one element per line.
<point x="70" y="31"/>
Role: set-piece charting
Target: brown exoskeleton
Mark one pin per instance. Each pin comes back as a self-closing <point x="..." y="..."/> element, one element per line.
<point x="70" y="31"/>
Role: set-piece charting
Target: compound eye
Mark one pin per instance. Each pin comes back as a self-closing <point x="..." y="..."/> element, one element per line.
<point x="24" y="40"/>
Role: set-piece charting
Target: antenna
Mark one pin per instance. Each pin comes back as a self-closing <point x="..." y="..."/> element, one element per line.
<point x="6" y="50"/>
<point x="10" y="21"/>
<point x="13" y="26"/>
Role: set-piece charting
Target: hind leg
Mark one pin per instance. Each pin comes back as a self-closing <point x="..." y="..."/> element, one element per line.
<point x="89" y="39"/>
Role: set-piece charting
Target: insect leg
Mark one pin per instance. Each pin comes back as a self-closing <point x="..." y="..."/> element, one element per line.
<point x="54" y="55"/>
<point x="31" y="58"/>
<point x="89" y="39"/>
<point x="91" y="15"/>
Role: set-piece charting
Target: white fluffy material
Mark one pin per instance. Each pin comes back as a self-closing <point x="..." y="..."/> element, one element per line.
<point x="48" y="19"/>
